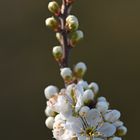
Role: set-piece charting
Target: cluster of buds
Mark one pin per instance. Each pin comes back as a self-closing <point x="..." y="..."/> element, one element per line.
<point x="76" y="112"/>
<point x="66" y="27"/>
<point x="70" y="76"/>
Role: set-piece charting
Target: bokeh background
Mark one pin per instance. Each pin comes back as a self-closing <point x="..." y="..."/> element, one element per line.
<point x="111" y="49"/>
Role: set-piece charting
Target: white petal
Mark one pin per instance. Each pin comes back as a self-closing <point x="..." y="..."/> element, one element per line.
<point x="94" y="117"/>
<point x="74" y="124"/>
<point x="97" y="139"/>
<point x="118" y="123"/>
<point x="82" y="138"/>
<point x="107" y="129"/>
<point x="112" y="116"/>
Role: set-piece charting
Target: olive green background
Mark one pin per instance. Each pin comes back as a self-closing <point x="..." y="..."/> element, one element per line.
<point x="111" y="49"/>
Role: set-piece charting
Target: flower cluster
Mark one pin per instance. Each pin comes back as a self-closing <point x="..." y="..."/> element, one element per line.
<point x="78" y="113"/>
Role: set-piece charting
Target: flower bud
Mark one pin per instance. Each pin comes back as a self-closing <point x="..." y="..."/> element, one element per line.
<point x="54" y="7"/>
<point x="121" y="131"/>
<point x="102" y="106"/>
<point x="83" y="84"/>
<point x="118" y="123"/>
<point x="101" y="99"/>
<point x="70" y="89"/>
<point x="72" y="23"/>
<point x="59" y="36"/>
<point x="52" y="23"/>
<point x="115" y="138"/>
<point x="88" y="96"/>
<point x="80" y="69"/>
<point x="76" y="37"/>
<point x="49" y="122"/>
<point x="50" y="91"/>
<point x="58" y="52"/>
<point x="112" y="116"/>
<point x="66" y="74"/>
<point x="84" y="111"/>
<point x="49" y="112"/>
<point x="94" y="86"/>
<point x="59" y="117"/>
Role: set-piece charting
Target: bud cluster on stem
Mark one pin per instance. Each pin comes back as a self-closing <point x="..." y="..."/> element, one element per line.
<point x="76" y="112"/>
<point x="66" y="27"/>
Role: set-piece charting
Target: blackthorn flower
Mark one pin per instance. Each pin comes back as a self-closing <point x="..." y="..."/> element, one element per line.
<point x="77" y="111"/>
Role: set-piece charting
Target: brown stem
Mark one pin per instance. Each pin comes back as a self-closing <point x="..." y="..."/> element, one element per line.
<point x="65" y="10"/>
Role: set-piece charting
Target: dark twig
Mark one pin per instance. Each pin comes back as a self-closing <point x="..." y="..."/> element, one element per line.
<point x="65" y="10"/>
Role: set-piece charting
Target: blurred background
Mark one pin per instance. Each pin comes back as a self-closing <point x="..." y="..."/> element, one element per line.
<point x="111" y="49"/>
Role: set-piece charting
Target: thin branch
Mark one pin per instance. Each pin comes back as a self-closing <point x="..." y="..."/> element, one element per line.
<point x="65" y="10"/>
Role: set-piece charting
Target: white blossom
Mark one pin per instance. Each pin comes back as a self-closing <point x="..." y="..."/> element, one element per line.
<point x="84" y="111"/>
<point x="90" y="126"/>
<point x="79" y="121"/>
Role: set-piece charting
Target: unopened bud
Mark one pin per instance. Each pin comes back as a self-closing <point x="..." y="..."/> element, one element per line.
<point x="49" y="112"/>
<point x="112" y="116"/>
<point x="83" y="84"/>
<point x="80" y="69"/>
<point x="88" y="96"/>
<point x="118" y="123"/>
<point x="72" y="23"/>
<point x="121" y="131"/>
<point x="76" y="37"/>
<point x="101" y="99"/>
<point x="49" y="122"/>
<point x="58" y="52"/>
<point x="54" y="7"/>
<point x="66" y="74"/>
<point x="52" y="23"/>
<point x="94" y="86"/>
<point x="50" y="91"/>
<point x="115" y="138"/>
<point x="59" y="36"/>
<point x="102" y="106"/>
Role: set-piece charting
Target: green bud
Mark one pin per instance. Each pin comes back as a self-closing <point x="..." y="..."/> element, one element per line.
<point x="72" y="23"/>
<point x="59" y="36"/>
<point x="66" y="74"/>
<point x="121" y="131"/>
<point x="54" y="7"/>
<point x="80" y="69"/>
<point x="76" y="37"/>
<point x="52" y="23"/>
<point x="58" y="52"/>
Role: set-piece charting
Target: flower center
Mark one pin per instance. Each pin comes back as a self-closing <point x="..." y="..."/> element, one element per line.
<point x="90" y="132"/>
